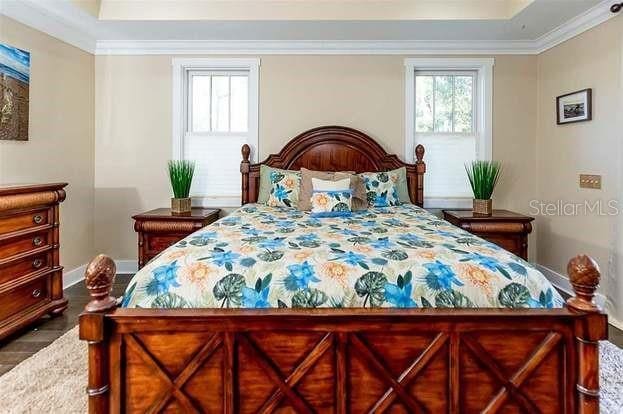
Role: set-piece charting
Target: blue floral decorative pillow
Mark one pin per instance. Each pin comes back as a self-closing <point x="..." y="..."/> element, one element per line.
<point x="381" y="188"/>
<point x="285" y="188"/>
<point x="331" y="198"/>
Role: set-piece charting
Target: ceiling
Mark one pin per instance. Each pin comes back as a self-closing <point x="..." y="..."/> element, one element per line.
<point x="406" y="26"/>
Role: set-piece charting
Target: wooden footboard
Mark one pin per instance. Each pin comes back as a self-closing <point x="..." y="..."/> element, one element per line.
<point x="343" y="360"/>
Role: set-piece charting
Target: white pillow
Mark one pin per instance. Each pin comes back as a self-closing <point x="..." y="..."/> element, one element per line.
<point x="326" y="185"/>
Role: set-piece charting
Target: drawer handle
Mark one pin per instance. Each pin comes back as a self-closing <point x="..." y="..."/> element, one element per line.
<point x="37" y="241"/>
<point x="36" y="293"/>
<point x="37" y="219"/>
<point x="37" y="263"/>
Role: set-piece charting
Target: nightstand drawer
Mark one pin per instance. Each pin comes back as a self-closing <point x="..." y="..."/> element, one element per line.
<point x="23" y="297"/>
<point x="159" y="229"/>
<point x="512" y="244"/>
<point x="24" y="244"/>
<point x="23" y="220"/>
<point x="506" y="229"/>
<point x="155" y="243"/>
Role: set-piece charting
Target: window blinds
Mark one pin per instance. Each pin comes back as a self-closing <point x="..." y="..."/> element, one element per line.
<point x="217" y="126"/>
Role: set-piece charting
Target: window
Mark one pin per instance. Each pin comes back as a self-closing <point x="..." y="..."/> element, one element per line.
<point x="444" y="102"/>
<point x="448" y="110"/>
<point x="215" y="112"/>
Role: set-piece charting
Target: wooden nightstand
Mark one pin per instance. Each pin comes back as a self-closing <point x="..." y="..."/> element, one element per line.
<point x="159" y="229"/>
<point x="506" y="229"/>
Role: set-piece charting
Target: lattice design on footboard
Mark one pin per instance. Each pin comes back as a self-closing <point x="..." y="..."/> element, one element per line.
<point x="340" y="372"/>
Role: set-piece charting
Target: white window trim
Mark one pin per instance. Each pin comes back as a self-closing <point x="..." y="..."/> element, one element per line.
<point x="484" y="120"/>
<point x="180" y="110"/>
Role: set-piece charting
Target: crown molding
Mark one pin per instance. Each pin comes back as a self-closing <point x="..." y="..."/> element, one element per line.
<point x="56" y="18"/>
<point x="577" y="25"/>
<point x="310" y="47"/>
<point x="60" y="19"/>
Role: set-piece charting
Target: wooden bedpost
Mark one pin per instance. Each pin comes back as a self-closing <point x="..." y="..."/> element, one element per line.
<point x="99" y="278"/>
<point x="245" y="167"/>
<point x="584" y="276"/>
<point x="420" y="170"/>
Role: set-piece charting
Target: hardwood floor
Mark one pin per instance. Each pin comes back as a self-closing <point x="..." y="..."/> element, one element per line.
<point x="22" y="345"/>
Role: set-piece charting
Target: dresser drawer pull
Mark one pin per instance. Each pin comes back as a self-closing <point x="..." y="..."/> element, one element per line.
<point x="37" y="263"/>
<point x="37" y="241"/>
<point x="37" y="219"/>
<point x="36" y="293"/>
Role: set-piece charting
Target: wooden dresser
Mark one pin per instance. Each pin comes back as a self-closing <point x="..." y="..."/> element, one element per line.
<point x="31" y="279"/>
<point x="159" y="229"/>
<point x="506" y="229"/>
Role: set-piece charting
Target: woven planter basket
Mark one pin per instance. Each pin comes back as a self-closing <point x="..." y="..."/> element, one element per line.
<point x="483" y="207"/>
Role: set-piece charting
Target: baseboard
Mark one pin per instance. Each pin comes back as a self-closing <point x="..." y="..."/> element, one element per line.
<point x="126" y="267"/>
<point x="615" y="322"/>
<point x="71" y="277"/>
<point x="562" y="282"/>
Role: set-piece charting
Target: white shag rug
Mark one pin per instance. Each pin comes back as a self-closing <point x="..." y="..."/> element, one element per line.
<point x="51" y="381"/>
<point x="54" y="379"/>
<point x="610" y="378"/>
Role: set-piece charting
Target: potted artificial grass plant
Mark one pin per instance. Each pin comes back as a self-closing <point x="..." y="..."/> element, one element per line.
<point x="181" y="176"/>
<point x="483" y="176"/>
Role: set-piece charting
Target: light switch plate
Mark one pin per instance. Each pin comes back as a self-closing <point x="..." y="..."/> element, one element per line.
<point x="590" y="181"/>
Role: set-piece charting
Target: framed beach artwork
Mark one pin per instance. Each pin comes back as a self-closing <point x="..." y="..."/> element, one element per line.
<point x="14" y="93"/>
<point x="574" y="107"/>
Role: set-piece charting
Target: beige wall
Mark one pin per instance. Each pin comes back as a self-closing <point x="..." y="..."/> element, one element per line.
<point x="132" y="146"/>
<point x="514" y="131"/>
<point x="61" y="133"/>
<point x="591" y="60"/>
<point x="133" y="124"/>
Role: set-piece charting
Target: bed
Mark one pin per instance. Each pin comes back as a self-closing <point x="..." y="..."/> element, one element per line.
<point x="389" y="310"/>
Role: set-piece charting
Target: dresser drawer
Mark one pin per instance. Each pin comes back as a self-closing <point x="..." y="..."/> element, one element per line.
<point x="16" y="269"/>
<point x="24" y="244"/>
<point x="31" y="278"/>
<point x="23" y="220"/>
<point x="23" y="297"/>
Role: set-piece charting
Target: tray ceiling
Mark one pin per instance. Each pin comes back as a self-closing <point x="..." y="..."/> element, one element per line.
<point x="359" y="26"/>
<point x="166" y="10"/>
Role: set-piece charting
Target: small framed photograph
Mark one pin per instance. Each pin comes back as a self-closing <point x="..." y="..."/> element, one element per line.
<point x="574" y="107"/>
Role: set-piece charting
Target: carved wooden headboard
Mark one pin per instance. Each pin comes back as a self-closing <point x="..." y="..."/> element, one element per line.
<point x="333" y="148"/>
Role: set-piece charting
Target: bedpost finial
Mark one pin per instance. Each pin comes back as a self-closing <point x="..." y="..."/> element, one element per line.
<point x="245" y="164"/>
<point x="246" y="152"/>
<point x="419" y="162"/>
<point x="419" y="152"/>
<point x="584" y="276"/>
<point x="99" y="278"/>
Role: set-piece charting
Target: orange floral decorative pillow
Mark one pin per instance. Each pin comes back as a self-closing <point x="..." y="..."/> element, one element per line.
<point x="331" y="198"/>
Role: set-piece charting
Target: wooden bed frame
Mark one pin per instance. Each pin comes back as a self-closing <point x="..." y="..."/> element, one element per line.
<point x="342" y="360"/>
<point x="333" y="148"/>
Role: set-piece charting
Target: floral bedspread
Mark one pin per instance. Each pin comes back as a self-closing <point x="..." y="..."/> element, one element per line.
<point x="402" y="256"/>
